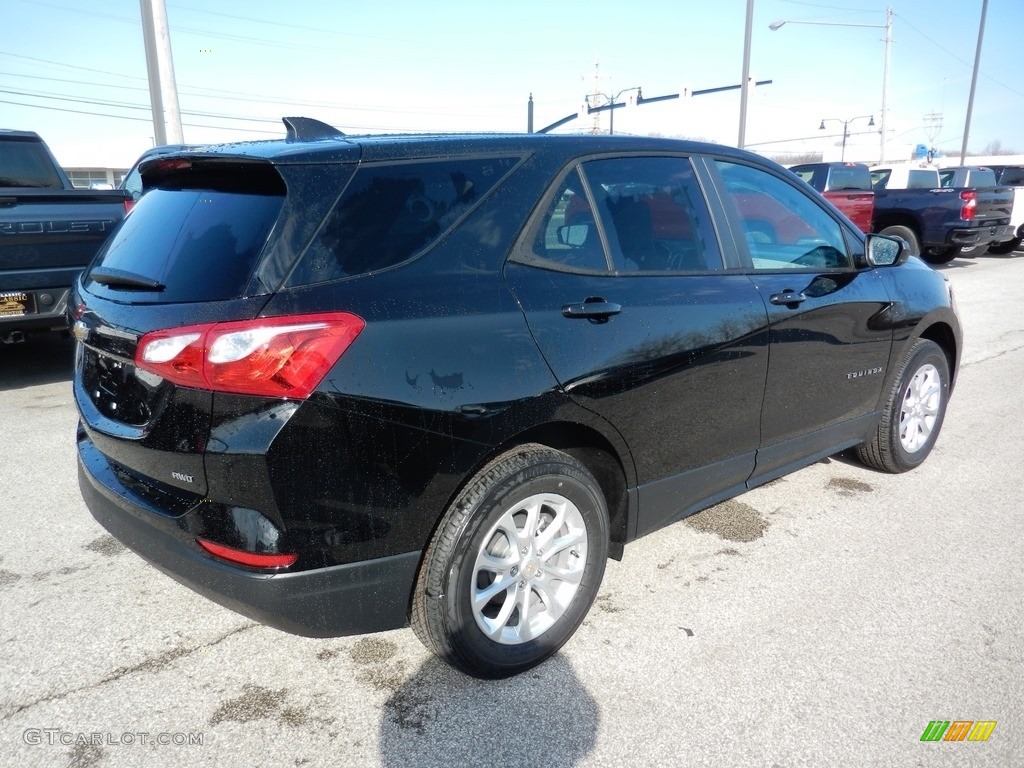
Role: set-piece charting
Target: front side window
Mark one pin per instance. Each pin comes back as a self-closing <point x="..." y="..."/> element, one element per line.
<point x="783" y="226"/>
<point x="390" y="213"/>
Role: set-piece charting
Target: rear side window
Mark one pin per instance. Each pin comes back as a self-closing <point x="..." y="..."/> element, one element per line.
<point x="200" y="244"/>
<point x="26" y="164"/>
<point x="650" y="210"/>
<point x="390" y="213"/>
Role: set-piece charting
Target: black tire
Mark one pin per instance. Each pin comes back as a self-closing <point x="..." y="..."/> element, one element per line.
<point x="905" y="435"/>
<point x="941" y="255"/>
<point x="1001" y="249"/>
<point x="475" y="530"/>
<point x="913" y="244"/>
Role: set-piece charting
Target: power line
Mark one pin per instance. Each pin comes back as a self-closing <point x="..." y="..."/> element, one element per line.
<point x="126" y="117"/>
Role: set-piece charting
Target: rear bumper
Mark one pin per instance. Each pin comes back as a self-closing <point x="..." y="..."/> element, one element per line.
<point x="356" y="598"/>
<point x="50" y="311"/>
<point x="980" y="235"/>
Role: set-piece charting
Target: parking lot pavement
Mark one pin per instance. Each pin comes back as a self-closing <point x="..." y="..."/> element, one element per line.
<point x="822" y="620"/>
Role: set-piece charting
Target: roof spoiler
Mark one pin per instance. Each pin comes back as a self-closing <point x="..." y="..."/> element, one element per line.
<point x="307" y="129"/>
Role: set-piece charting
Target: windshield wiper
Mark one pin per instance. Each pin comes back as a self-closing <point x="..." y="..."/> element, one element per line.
<point x="120" y="278"/>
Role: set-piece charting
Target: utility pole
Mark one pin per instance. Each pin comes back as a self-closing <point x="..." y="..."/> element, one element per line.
<point x="745" y="81"/>
<point x="160" y="69"/>
<point x="596" y="127"/>
<point x="974" y="81"/>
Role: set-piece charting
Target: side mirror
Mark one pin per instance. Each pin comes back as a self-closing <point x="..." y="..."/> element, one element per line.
<point x="573" y="234"/>
<point x="884" y="251"/>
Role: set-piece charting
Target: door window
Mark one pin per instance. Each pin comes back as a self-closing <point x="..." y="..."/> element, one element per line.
<point x="783" y="226"/>
<point x="629" y="215"/>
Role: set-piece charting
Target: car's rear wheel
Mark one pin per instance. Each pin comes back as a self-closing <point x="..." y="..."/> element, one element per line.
<point x="914" y="411"/>
<point x="514" y="565"/>
<point x="1001" y="249"/>
<point x="913" y="244"/>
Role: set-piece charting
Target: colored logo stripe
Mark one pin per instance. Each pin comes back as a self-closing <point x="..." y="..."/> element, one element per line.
<point x="958" y="730"/>
<point x="982" y="730"/>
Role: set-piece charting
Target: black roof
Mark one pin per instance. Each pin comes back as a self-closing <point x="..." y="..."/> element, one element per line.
<point x="352" y="148"/>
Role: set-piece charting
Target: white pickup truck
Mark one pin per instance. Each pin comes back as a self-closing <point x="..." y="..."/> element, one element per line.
<point x="1012" y="176"/>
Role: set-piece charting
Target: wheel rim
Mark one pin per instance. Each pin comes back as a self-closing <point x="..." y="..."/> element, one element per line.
<point x="528" y="569"/>
<point x="920" y="412"/>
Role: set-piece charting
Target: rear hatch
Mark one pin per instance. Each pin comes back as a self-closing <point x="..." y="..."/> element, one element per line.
<point x="192" y="251"/>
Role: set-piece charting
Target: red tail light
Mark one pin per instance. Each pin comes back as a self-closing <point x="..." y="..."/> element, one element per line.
<point x="243" y="557"/>
<point x="128" y="205"/>
<point x="970" y="199"/>
<point x="273" y="356"/>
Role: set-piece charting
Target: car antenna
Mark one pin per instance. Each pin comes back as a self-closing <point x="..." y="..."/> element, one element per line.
<point x="307" y="129"/>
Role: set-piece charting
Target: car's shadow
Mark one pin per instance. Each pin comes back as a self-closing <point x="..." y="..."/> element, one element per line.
<point x="41" y="359"/>
<point x="441" y="717"/>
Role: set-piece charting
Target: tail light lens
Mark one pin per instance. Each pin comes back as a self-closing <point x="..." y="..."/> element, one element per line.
<point x="251" y="559"/>
<point x="128" y="205"/>
<point x="272" y="356"/>
<point x="967" y="210"/>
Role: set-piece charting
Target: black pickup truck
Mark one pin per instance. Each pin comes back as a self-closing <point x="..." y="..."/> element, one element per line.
<point x="49" y="232"/>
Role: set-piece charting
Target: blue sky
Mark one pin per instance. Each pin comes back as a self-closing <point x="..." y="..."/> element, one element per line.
<point x="455" y="65"/>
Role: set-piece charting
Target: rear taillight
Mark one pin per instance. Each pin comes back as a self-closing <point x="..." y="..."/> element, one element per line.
<point x="128" y="205"/>
<point x="243" y="557"/>
<point x="967" y="210"/>
<point x="273" y="356"/>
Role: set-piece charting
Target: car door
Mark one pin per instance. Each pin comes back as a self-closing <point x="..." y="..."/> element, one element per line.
<point x="828" y="312"/>
<point x="623" y="284"/>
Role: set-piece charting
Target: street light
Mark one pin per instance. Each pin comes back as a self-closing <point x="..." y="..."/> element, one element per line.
<point x="776" y="25"/>
<point x="846" y="132"/>
<point x="612" y="105"/>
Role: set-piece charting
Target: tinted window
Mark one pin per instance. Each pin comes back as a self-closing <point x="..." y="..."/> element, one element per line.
<point x="390" y="213"/>
<point x="849" y="177"/>
<point x="26" y="164"/>
<point x="1012" y="177"/>
<point x="922" y="179"/>
<point x="650" y="210"/>
<point x="201" y="244"/>
<point x="568" y="236"/>
<point x="654" y="214"/>
<point x="784" y="226"/>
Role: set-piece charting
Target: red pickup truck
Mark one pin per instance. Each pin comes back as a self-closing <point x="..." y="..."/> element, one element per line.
<point x="846" y="185"/>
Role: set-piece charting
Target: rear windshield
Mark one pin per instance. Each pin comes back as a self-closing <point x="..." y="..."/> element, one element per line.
<point x="390" y="213"/>
<point x="26" y="164"/>
<point x="200" y="244"/>
<point x="849" y="177"/>
<point x="1012" y="177"/>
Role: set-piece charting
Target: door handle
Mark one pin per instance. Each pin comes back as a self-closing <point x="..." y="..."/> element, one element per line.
<point x="788" y="297"/>
<point x="595" y="309"/>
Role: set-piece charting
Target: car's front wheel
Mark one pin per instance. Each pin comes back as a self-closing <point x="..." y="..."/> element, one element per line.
<point x="914" y="411"/>
<point x="515" y="564"/>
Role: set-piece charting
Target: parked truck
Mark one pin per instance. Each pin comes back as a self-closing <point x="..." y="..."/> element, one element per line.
<point x="846" y="185"/>
<point x="936" y="221"/>
<point x="49" y="232"/>
<point x="1012" y="176"/>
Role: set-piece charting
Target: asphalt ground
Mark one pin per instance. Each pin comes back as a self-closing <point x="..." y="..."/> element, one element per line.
<point x="823" y="620"/>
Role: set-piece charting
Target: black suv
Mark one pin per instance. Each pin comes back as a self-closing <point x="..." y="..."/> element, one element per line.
<point x="345" y="384"/>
